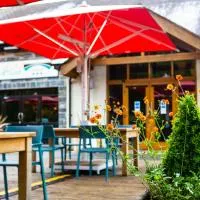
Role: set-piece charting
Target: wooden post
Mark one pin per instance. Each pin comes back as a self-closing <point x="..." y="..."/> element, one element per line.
<point x="125" y="151"/>
<point x="24" y="175"/>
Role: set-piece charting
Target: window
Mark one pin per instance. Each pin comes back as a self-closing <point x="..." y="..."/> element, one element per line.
<point x="117" y="72"/>
<point x="161" y="70"/>
<point x="139" y="70"/>
<point x="185" y="68"/>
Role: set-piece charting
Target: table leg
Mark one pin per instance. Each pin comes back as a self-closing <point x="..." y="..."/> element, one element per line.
<point x="125" y="152"/>
<point x="135" y="150"/>
<point x="25" y="176"/>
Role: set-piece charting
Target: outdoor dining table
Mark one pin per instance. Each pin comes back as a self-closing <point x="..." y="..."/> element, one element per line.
<point x="126" y="134"/>
<point x="20" y="142"/>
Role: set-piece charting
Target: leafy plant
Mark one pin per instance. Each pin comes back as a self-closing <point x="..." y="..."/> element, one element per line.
<point x="163" y="187"/>
<point x="183" y="155"/>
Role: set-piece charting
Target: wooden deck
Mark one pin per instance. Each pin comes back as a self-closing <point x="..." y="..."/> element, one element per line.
<point x="95" y="187"/>
<point x="85" y="188"/>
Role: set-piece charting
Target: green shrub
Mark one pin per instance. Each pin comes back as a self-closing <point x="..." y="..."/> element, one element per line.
<point x="183" y="155"/>
<point x="162" y="187"/>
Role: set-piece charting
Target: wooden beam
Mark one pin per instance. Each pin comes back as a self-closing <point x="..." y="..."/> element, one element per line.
<point x="146" y="59"/>
<point x="177" y="31"/>
<point x="69" y="68"/>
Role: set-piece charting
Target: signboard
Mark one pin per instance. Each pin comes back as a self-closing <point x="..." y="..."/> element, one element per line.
<point x="19" y="70"/>
<point x="163" y="108"/>
<point x="136" y="105"/>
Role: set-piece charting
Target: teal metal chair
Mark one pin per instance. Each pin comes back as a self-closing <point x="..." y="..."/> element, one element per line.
<point x="94" y="132"/>
<point x="49" y="134"/>
<point x="4" y="163"/>
<point x="36" y="143"/>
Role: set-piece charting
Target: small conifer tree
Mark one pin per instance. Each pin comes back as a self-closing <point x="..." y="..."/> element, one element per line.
<point x="183" y="155"/>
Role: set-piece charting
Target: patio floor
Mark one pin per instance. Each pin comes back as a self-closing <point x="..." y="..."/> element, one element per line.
<point x="84" y="188"/>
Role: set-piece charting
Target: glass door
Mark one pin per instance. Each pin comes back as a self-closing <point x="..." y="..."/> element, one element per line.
<point x="163" y="101"/>
<point x="136" y="95"/>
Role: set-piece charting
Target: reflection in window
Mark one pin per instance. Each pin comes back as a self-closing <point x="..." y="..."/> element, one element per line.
<point x="117" y="72"/>
<point x="163" y="120"/>
<point x="115" y="95"/>
<point x="185" y="68"/>
<point x="188" y="86"/>
<point x="161" y="70"/>
<point x="139" y="70"/>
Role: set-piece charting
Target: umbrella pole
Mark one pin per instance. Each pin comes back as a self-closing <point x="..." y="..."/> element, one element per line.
<point x="85" y="90"/>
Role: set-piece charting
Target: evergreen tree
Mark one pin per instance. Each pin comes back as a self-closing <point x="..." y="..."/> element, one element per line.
<point x="183" y="155"/>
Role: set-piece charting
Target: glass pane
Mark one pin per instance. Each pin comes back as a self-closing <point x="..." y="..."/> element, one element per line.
<point x="163" y="109"/>
<point x="188" y="86"/>
<point x="11" y="106"/>
<point x="31" y="106"/>
<point x="115" y="96"/>
<point x="50" y="109"/>
<point x="162" y="69"/>
<point x="139" y="70"/>
<point x="117" y="72"/>
<point x="185" y="68"/>
<point x="136" y="103"/>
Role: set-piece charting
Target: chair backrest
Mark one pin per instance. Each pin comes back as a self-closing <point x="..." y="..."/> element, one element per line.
<point x="92" y="132"/>
<point x="45" y="121"/>
<point x="49" y="132"/>
<point x="30" y="128"/>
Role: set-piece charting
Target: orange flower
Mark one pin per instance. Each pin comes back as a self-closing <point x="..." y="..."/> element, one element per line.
<point x="134" y="126"/>
<point x="108" y="108"/>
<point x="155" y="129"/>
<point x="98" y="116"/>
<point x="124" y="109"/>
<point x="143" y="118"/>
<point x="171" y="114"/>
<point x="179" y="77"/>
<point x="146" y="101"/>
<point x="170" y="87"/>
<point x="165" y="101"/>
<point x="96" y="107"/>
<point x="109" y="127"/>
<point x="137" y="114"/>
<point x="118" y="111"/>
<point x="93" y="120"/>
<point x="151" y="121"/>
<point x="187" y="92"/>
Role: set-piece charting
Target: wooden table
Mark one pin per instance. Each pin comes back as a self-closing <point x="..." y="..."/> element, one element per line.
<point x="126" y="133"/>
<point x="20" y="142"/>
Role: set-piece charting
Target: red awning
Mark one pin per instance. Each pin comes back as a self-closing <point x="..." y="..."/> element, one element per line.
<point x="90" y="31"/>
<point x="84" y="32"/>
<point x="5" y="3"/>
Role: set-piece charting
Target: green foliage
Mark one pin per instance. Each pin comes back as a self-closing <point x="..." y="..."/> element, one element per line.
<point x="183" y="155"/>
<point x="162" y="187"/>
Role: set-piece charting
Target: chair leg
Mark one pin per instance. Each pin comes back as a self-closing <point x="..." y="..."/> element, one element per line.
<point x="65" y="152"/>
<point x="90" y="172"/>
<point x="65" y="147"/>
<point x="5" y="178"/>
<point x="78" y="164"/>
<point x="114" y="159"/>
<point x="43" y="175"/>
<point x="5" y="182"/>
<point x="70" y="149"/>
<point x="107" y="158"/>
<point x="70" y="152"/>
<point x="52" y="163"/>
<point x="62" y="160"/>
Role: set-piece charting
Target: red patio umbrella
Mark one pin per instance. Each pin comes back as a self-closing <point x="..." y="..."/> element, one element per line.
<point x="5" y="3"/>
<point x="65" y="31"/>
